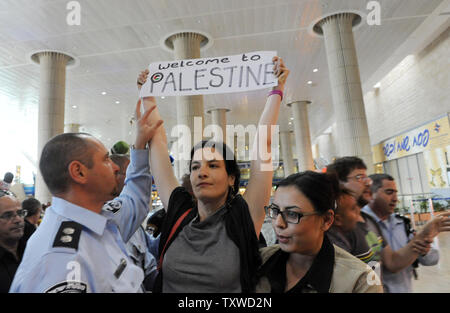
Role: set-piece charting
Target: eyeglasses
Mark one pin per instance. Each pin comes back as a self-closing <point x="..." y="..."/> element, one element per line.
<point x="8" y="216"/>
<point x="361" y="177"/>
<point x="288" y="216"/>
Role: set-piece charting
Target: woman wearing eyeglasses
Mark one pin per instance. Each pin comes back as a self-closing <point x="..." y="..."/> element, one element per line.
<point x="305" y="261"/>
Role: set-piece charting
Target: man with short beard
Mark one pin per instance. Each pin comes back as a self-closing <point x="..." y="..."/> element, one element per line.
<point x="11" y="243"/>
<point x="80" y="244"/>
<point x="396" y="230"/>
<point x="366" y="241"/>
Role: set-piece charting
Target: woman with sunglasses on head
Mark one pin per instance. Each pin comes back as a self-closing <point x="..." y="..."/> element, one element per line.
<point x="211" y="244"/>
<point x="305" y="260"/>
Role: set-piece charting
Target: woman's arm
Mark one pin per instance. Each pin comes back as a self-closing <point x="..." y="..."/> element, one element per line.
<point x="259" y="186"/>
<point x="160" y="165"/>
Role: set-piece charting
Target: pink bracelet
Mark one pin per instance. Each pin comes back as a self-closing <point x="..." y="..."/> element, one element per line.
<point x="276" y="92"/>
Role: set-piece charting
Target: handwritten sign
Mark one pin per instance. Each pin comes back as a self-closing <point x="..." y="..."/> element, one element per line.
<point x="242" y="72"/>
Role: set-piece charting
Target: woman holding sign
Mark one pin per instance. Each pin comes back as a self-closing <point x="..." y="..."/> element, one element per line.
<point x="211" y="245"/>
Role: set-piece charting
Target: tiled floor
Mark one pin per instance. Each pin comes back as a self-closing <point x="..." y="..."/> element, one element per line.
<point x="436" y="278"/>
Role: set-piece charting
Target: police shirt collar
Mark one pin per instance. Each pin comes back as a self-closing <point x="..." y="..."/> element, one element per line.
<point x="368" y="210"/>
<point x="85" y="217"/>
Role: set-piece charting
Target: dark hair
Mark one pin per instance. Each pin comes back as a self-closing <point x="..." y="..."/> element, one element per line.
<point x="120" y="159"/>
<point x="56" y="156"/>
<point x="8" y="178"/>
<point x="231" y="165"/>
<point x="32" y="206"/>
<point x="377" y="181"/>
<point x="321" y="189"/>
<point x="186" y="183"/>
<point x="345" y="165"/>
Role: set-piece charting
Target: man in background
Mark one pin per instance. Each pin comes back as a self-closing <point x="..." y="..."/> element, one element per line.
<point x="12" y="244"/>
<point x="397" y="231"/>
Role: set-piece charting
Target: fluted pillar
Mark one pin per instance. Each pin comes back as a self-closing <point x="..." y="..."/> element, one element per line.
<point x="72" y="128"/>
<point x="351" y="124"/>
<point x="286" y="153"/>
<point x="186" y="45"/>
<point x="52" y="92"/>
<point x="219" y="118"/>
<point x="302" y="135"/>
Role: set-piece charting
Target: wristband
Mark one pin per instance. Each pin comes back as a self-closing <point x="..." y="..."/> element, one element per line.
<point x="276" y="92"/>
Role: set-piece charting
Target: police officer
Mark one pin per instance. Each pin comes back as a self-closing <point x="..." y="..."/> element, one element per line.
<point x="397" y="232"/>
<point x="79" y="246"/>
<point x="138" y="247"/>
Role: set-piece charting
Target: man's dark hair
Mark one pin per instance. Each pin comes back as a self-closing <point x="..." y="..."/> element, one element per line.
<point x="342" y="167"/>
<point x="8" y="178"/>
<point x="377" y="181"/>
<point x="32" y="206"/>
<point x="120" y="160"/>
<point x="58" y="153"/>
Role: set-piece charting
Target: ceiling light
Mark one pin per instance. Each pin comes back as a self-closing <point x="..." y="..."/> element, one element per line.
<point x="377" y="85"/>
<point x="309" y="82"/>
<point x="291" y="118"/>
<point x="117" y="102"/>
<point x="74" y="106"/>
<point x="315" y="70"/>
<point x="104" y="93"/>
<point x="290" y="123"/>
<point x="163" y="97"/>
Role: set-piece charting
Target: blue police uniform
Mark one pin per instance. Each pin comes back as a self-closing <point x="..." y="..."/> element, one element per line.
<point x="393" y="229"/>
<point x="77" y="250"/>
<point x="138" y="248"/>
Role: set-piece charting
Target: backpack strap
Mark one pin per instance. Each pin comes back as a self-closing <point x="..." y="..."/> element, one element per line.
<point x="172" y="232"/>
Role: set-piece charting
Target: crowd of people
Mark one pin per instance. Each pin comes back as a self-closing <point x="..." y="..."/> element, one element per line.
<point x="336" y="231"/>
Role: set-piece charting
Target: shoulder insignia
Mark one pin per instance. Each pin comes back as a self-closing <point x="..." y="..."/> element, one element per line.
<point x="68" y="287"/>
<point x="406" y="219"/>
<point x="113" y="206"/>
<point x="68" y="235"/>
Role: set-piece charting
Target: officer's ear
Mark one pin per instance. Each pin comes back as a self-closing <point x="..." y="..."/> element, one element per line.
<point x="78" y="172"/>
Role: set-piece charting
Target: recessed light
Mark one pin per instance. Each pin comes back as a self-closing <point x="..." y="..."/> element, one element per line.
<point x="315" y="70"/>
<point x="117" y="102"/>
<point x="309" y="82"/>
<point x="291" y="118"/>
<point x="163" y="97"/>
<point x="104" y="93"/>
<point x="74" y="106"/>
<point x="290" y="123"/>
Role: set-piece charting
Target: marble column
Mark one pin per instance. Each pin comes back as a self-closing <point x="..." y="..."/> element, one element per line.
<point x="286" y="153"/>
<point x="52" y="92"/>
<point x="302" y="135"/>
<point x="352" y="136"/>
<point x="219" y="118"/>
<point x="72" y="128"/>
<point x="186" y="45"/>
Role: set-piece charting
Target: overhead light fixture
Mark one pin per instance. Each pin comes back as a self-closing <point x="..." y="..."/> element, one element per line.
<point x="315" y="70"/>
<point x="117" y="102"/>
<point x="162" y="97"/>
<point x="74" y="106"/>
<point x="104" y="93"/>
<point x="290" y="123"/>
<point x="377" y="85"/>
<point x="309" y="82"/>
<point x="291" y="118"/>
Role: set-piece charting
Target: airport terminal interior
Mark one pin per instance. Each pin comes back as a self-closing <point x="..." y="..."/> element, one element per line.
<point x="367" y="78"/>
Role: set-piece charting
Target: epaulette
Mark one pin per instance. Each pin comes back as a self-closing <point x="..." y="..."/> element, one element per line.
<point x="68" y="235"/>
<point x="404" y="218"/>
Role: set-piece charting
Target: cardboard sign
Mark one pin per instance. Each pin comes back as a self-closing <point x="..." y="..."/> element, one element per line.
<point x="242" y="72"/>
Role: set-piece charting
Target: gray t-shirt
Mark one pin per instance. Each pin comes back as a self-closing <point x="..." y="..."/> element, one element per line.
<point x="203" y="258"/>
